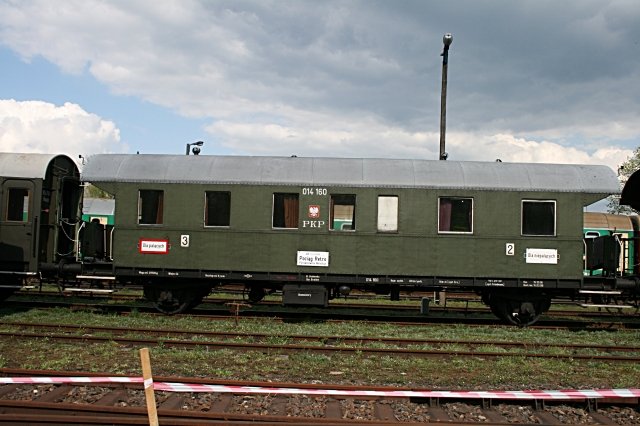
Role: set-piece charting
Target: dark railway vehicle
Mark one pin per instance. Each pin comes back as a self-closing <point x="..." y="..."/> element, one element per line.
<point x="612" y="244"/>
<point x="39" y="198"/>
<point x="622" y="231"/>
<point x="317" y="227"/>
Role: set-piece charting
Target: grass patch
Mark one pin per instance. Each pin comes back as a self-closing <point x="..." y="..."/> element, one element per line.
<point x="439" y="372"/>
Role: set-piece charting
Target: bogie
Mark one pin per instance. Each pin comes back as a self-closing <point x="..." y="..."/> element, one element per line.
<point x="516" y="308"/>
<point x="174" y="297"/>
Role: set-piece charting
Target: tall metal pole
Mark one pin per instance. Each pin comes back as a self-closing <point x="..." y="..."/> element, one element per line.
<point x="447" y="40"/>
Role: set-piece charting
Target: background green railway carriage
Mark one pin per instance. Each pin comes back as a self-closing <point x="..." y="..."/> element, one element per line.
<point x="39" y="195"/>
<point x="510" y="231"/>
<point x="625" y="228"/>
<point x="100" y="209"/>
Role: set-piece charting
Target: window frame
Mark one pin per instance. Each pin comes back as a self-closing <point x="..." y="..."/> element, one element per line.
<point x="555" y="217"/>
<point x="159" y="209"/>
<point x="206" y="209"/>
<point x="332" y="205"/>
<point x="396" y="213"/>
<point x="284" y="218"/>
<point x="20" y="202"/>
<point x="471" y="218"/>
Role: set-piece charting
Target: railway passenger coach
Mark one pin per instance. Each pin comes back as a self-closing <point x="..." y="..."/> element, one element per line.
<point x="317" y="227"/>
<point x="39" y="199"/>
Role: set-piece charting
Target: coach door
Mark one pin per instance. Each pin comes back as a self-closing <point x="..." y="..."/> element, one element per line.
<point x="17" y="225"/>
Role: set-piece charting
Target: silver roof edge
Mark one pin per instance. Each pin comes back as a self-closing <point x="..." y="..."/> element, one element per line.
<point x="352" y="172"/>
<point x="26" y="165"/>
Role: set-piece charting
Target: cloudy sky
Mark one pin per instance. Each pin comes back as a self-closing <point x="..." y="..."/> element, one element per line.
<point x="528" y="81"/>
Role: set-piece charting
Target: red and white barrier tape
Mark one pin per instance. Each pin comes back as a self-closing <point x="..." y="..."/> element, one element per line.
<point x="59" y="380"/>
<point x="186" y="387"/>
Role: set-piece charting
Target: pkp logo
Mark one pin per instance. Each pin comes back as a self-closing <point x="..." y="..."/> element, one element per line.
<point x="314" y="211"/>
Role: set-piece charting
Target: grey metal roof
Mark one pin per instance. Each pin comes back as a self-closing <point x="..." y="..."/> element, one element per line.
<point x="22" y="165"/>
<point x="352" y="172"/>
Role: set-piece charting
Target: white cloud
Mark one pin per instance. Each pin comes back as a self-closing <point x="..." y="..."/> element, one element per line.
<point x="507" y="147"/>
<point x="318" y="135"/>
<point x="612" y="156"/>
<point x="35" y="126"/>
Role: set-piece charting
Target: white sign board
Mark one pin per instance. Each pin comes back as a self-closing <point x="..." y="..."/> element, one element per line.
<point x="548" y="256"/>
<point x="153" y="246"/>
<point x="313" y="258"/>
<point x="510" y="249"/>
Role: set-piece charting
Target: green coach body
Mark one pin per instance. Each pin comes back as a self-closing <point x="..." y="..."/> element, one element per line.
<point x="494" y="245"/>
<point x="388" y="222"/>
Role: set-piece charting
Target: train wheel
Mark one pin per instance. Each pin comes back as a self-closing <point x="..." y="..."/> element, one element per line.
<point x="171" y="299"/>
<point x="255" y="294"/>
<point x="517" y="311"/>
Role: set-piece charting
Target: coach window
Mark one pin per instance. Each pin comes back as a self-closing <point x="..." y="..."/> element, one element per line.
<point x="387" y="213"/>
<point x="18" y="205"/>
<point x="150" y="207"/>
<point x="285" y="210"/>
<point x="455" y="215"/>
<point x="343" y="212"/>
<point x="539" y="217"/>
<point x="217" y="208"/>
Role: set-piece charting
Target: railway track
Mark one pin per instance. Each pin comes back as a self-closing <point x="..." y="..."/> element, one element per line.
<point x="323" y="339"/>
<point x="372" y="346"/>
<point x="464" y="303"/>
<point x="57" y="404"/>
<point x="238" y="309"/>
